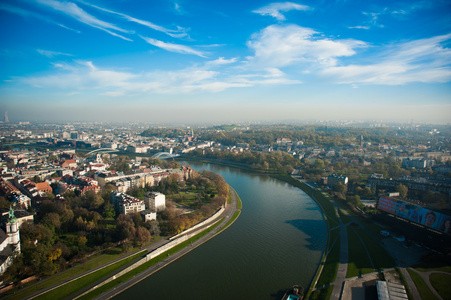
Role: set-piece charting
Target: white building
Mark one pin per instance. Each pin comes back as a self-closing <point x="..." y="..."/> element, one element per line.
<point x="155" y="201"/>
<point x="126" y="204"/>
<point x="148" y="215"/>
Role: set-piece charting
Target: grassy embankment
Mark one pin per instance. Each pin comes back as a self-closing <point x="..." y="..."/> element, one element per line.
<point x="75" y="271"/>
<point x="359" y="241"/>
<point x="422" y="287"/>
<point x="330" y="258"/>
<point x="162" y="256"/>
<point x="64" y="291"/>
<point x="440" y="281"/>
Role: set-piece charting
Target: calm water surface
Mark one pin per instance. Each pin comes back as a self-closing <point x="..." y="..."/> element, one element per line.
<point x="276" y="242"/>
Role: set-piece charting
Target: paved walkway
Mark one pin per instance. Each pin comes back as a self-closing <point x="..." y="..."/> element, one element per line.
<point x="425" y="276"/>
<point x="413" y="289"/>
<point x="343" y="263"/>
<point x="227" y="215"/>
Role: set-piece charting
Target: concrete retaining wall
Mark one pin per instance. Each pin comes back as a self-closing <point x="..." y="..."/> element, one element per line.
<point x="217" y="214"/>
<point x="162" y="249"/>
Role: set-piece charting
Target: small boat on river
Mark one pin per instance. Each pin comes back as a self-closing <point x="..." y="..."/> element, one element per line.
<point x="295" y="293"/>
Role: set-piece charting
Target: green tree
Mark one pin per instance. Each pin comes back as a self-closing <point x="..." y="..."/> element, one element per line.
<point x="402" y="190"/>
<point x="354" y="200"/>
<point x="108" y="211"/>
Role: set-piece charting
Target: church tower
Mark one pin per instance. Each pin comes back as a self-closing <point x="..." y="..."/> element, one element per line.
<point x="12" y="230"/>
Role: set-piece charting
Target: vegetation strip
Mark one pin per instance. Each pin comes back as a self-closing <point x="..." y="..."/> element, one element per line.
<point x="422" y="287"/>
<point x="148" y="264"/>
<point x="162" y="256"/>
<point x="68" y="289"/>
<point x="65" y="276"/>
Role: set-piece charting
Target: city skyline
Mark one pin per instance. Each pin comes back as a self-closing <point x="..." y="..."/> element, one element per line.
<point x="200" y="61"/>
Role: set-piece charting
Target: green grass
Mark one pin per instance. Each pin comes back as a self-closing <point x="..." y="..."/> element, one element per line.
<point x="331" y="265"/>
<point x="404" y="282"/>
<point x="322" y="294"/>
<point x="358" y="260"/>
<point x="234" y="217"/>
<point x="426" y="267"/>
<point x="68" y="289"/>
<point x="423" y="289"/>
<point x="239" y="204"/>
<point x="68" y="274"/>
<point x="230" y="197"/>
<point x="79" y="284"/>
<point x="380" y="257"/>
<point x="148" y="264"/>
<point x="345" y="219"/>
<point x="441" y="283"/>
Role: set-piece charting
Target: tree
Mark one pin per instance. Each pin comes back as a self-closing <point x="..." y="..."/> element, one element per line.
<point x="402" y="190"/>
<point x="142" y="235"/>
<point x="53" y="219"/>
<point x="154" y="228"/>
<point x="108" y="211"/>
<point x="340" y="188"/>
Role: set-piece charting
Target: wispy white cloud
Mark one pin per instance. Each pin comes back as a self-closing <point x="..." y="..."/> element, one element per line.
<point x="359" y="27"/>
<point x="275" y="9"/>
<point x="81" y="76"/>
<point x="74" y="11"/>
<point x="51" y="54"/>
<point x="85" y="76"/>
<point x="26" y="13"/>
<point x="292" y="46"/>
<point x="424" y="60"/>
<point x="173" y="47"/>
<point x="180" y="32"/>
<point x="374" y="18"/>
<point x="280" y="46"/>
<point x="222" y="61"/>
<point x="412" y="7"/>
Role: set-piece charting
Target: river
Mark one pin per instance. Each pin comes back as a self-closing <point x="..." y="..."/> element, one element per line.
<point x="276" y="242"/>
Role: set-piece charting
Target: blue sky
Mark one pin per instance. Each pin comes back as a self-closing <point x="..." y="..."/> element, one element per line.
<point x="169" y="61"/>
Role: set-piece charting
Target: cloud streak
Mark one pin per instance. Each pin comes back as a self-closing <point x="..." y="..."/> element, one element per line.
<point x="424" y="60"/>
<point x="26" y="13"/>
<point x="174" y="47"/>
<point x="74" y="11"/>
<point x="275" y="9"/>
<point x="51" y="54"/>
<point x="180" y="32"/>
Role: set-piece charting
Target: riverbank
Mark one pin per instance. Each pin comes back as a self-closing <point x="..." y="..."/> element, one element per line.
<point x="324" y="270"/>
<point x="70" y="287"/>
<point x="125" y="281"/>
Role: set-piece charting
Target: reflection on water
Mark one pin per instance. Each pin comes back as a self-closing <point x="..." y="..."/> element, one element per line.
<point x="276" y="243"/>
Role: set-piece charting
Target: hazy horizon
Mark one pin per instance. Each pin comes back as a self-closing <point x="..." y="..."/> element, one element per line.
<point x="174" y="61"/>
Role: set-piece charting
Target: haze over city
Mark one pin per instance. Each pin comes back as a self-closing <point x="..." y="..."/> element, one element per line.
<point x="220" y="61"/>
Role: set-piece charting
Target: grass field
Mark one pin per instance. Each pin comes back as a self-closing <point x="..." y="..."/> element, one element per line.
<point x="95" y="262"/>
<point x="422" y="288"/>
<point x="146" y="265"/>
<point x="442" y="284"/>
<point x="331" y="265"/>
<point x="322" y="294"/>
<point x="380" y="257"/>
<point x="358" y="261"/>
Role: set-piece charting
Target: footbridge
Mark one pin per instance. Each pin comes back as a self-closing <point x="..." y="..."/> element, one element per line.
<point x="103" y="150"/>
<point x="164" y="155"/>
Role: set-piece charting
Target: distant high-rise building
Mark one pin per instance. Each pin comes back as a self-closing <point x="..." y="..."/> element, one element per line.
<point x="6" y="117"/>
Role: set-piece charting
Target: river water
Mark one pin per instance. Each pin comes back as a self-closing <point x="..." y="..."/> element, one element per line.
<point x="276" y="242"/>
